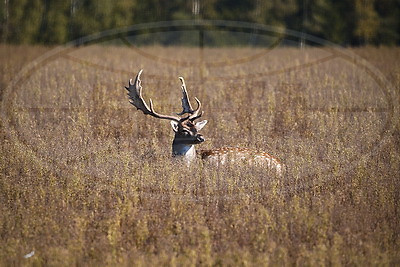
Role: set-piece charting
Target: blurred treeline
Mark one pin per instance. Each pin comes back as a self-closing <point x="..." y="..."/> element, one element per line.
<point x="346" y="22"/>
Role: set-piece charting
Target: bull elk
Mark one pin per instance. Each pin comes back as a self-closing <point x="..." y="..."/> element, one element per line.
<point x="187" y="132"/>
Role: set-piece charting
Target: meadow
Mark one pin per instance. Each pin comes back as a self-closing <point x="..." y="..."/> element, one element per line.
<point x="85" y="179"/>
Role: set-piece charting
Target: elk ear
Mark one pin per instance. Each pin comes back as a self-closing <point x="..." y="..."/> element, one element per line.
<point x="201" y="124"/>
<point x="174" y="126"/>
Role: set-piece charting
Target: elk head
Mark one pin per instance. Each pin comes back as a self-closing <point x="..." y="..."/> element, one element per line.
<point x="185" y="128"/>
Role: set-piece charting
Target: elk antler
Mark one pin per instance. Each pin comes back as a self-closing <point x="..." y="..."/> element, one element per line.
<point x="136" y="99"/>
<point x="187" y="107"/>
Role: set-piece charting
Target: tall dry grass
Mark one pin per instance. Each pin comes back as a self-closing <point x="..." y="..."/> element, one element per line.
<point x="87" y="180"/>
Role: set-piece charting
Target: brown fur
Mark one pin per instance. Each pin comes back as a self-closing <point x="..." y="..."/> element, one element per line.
<point x="204" y="154"/>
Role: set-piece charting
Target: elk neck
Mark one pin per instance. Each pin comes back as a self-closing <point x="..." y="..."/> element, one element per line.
<point x="180" y="149"/>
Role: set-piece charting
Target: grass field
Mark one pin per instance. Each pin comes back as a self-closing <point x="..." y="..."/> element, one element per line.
<point x="85" y="179"/>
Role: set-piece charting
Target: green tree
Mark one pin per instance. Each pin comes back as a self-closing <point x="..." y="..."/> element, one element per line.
<point x="55" y="23"/>
<point x="327" y="21"/>
<point x="388" y="31"/>
<point x="123" y="12"/>
<point x="280" y="13"/>
<point x="236" y="9"/>
<point x="90" y="17"/>
<point x="24" y="20"/>
<point x="4" y="15"/>
<point x="367" y="21"/>
<point x="355" y="22"/>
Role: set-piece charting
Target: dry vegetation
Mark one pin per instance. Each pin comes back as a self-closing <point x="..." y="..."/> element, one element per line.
<point x="85" y="179"/>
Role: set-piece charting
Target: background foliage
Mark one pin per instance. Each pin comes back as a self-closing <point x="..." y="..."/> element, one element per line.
<point x="347" y="22"/>
<point x="86" y="180"/>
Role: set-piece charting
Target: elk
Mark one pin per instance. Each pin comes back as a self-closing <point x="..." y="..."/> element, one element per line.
<point x="187" y="132"/>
